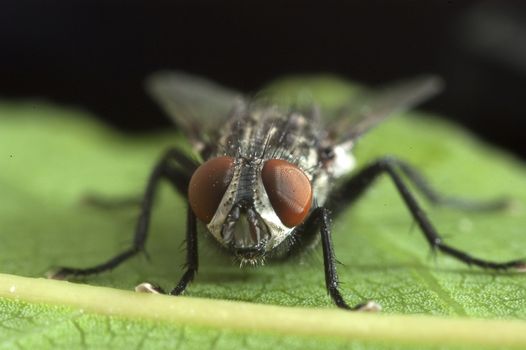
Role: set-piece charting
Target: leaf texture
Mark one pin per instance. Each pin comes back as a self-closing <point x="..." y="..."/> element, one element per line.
<point x="53" y="158"/>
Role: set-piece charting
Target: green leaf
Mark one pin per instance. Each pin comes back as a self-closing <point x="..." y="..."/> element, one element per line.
<point x="51" y="158"/>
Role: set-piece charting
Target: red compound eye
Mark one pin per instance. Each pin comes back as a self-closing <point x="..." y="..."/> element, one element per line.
<point x="208" y="185"/>
<point x="289" y="191"/>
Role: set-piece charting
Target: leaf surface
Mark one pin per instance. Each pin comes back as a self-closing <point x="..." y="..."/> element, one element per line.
<point x="51" y="158"/>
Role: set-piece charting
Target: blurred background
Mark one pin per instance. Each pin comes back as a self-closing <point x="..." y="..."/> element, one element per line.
<point x="95" y="54"/>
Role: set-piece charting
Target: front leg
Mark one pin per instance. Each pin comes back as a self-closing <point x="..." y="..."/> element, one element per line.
<point x="192" y="260"/>
<point x="320" y="219"/>
<point x="191" y="265"/>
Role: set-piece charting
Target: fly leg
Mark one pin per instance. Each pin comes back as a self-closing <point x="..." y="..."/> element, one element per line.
<point x="172" y="174"/>
<point x="355" y="186"/>
<point x="320" y="219"/>
<point x="191" y="254"/>
<point x="105" y="203"/>
<point x="178" y="176"/>
<point x="191" y="261"/>
<point x="438" y="199"/>
<point x="362" y="180"/>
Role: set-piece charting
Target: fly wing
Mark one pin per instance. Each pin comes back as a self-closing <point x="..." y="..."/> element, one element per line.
<point x="367" y="109"/>
<point x="198" y="106"/>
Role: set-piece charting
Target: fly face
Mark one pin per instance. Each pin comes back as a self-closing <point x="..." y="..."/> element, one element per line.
<point x="248" y="195"/>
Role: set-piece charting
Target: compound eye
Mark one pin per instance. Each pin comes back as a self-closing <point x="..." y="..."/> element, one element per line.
<point x="208" y="185"/>
<point x="289" y="191"/>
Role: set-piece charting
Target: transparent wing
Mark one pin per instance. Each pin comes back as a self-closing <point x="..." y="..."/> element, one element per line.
<point x="198" y="106"/>
<point x="367" y="109"/>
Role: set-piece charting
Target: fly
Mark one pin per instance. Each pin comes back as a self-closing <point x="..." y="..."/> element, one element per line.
<point x="272" y="177"/>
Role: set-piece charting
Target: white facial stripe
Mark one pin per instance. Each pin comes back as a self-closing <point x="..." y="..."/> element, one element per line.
<point x="215" y="226"/>
<point x="278" y="231"/>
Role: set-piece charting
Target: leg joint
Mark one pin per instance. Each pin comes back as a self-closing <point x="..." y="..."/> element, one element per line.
<point x="387" y="162"/>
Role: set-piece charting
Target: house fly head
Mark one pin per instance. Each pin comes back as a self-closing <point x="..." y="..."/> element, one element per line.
<point x="250" y="205"/>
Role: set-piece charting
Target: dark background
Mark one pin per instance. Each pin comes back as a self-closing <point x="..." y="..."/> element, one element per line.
<point x="95" y="54"/>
